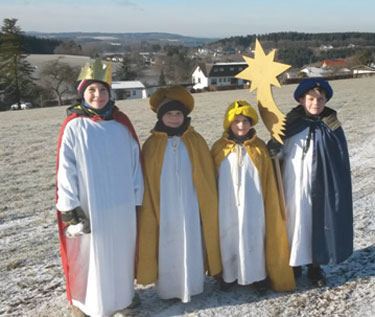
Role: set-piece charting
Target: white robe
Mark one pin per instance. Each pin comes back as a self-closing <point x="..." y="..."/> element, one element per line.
<point x="181" y="264"/>
<point x="241" y="219"/>
<point x="296" y="174"/>
<point x="99" y="170"/>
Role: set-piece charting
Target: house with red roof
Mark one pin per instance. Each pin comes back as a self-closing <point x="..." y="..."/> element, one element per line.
<point x="334" y="63"/>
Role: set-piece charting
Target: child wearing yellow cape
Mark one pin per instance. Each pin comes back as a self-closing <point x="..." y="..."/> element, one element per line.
<point x="253" y="237"/>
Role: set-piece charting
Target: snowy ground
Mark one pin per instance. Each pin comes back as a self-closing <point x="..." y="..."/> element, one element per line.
<point x="31" y="278"/>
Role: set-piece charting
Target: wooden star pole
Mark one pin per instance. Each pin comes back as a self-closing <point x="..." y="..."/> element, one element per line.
<point x="262" y="72"/>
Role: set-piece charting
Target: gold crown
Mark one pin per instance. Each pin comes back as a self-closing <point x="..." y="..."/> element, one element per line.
<point x="97" y="71"/>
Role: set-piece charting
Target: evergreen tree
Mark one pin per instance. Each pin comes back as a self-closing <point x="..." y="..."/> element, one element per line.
<point x="15" y="72"/>
<point x="125" y="72"/>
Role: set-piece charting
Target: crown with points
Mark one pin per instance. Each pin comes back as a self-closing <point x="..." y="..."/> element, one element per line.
<point x="96" y="71"/>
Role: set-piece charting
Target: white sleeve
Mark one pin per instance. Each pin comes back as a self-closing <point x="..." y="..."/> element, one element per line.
<point x="137" y="175"/>
<point x="67" y="180"/>
<point x="281" y="154"/>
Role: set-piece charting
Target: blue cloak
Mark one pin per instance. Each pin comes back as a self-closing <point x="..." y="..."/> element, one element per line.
<point x="331" y="188"/>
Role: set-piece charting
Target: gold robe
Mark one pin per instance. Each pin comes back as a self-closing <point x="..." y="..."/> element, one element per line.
<point x="277" y="246"/>
<point x="149" y="218"/>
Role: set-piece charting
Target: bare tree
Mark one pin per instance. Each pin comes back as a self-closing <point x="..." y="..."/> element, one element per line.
<point x="363" y="57"/>
<point x="59" y="77"/>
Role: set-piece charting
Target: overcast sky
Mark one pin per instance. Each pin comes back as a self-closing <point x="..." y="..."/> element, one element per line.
<point x="199" y="18"/>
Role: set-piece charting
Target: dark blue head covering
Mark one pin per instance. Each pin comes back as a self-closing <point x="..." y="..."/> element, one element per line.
<point x="311" y="83"/>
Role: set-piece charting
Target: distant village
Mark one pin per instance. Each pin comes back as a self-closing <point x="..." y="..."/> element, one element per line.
<point x="221" y="75"/>
<point x="208" y="68"/>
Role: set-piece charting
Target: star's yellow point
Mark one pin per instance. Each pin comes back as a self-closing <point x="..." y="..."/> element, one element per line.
<point x="262" y="72"/>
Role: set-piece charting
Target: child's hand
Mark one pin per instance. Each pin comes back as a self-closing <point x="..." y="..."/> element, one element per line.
<point x="76" y="222"/>
<point x="72" y="231"/>
<point x="274" y="147"/>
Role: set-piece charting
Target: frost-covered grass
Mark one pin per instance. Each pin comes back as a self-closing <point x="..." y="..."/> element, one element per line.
<point x="31" y="278"/>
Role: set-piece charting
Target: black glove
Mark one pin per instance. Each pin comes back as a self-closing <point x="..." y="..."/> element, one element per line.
<point x="76" y="221"/>
<point x="274" y="147"/>
<point x="70" y="217"/>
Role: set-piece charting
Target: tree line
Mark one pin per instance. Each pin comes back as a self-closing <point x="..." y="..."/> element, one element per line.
<point x="171" y="63"/>
<point x="35" y="45"/>
<point x="17" y="83"/>
<point x="57" y="78"/>
<point x="299" y="49"/>
<point x="279" y="39"/>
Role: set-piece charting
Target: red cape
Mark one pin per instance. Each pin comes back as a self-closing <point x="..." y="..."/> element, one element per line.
<point x="119" y="117"/>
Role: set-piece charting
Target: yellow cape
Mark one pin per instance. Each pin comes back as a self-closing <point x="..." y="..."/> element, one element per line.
<point x="277" y="246"/>
<point x="149" y="218"/>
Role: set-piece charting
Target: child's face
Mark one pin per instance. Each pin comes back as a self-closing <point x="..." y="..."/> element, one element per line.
<point x="240" y="125"/>
<point x="173" y="118"/>
<point x="314" y="102"/>
<point x="96" y="95"/>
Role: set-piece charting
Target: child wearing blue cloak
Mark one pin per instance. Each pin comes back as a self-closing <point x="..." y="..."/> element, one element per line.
<point x="317" y="182"/>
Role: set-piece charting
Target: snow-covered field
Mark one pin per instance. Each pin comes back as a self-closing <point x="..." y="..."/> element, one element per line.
<point x="31" y="277"/>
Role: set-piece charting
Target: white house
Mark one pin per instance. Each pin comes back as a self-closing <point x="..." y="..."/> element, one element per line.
<point x="217" y="76"/>
<point x="151" y="89"/>
<point x="363" y="71"/>
<point x="148" y="57"/>
<point x="311" y="71"/>
<point x="326" y="72"/>
<point x="128" y="90"/>
<point x="326" y="47"/>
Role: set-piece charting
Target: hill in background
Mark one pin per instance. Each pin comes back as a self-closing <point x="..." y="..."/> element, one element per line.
<point x="294" y="48"/>
<point x="121" y="38"/>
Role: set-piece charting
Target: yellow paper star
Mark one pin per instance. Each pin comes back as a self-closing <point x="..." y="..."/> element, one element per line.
<point x="262" y="72"/>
